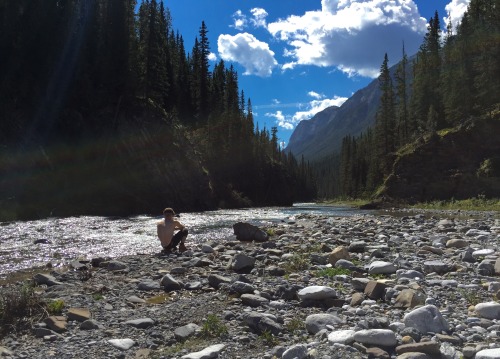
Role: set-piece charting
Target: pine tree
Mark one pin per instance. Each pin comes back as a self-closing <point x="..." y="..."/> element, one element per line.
<point x="403" y="125"/>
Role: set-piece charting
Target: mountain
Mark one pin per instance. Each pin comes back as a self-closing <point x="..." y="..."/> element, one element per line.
<point x="322" y="135"/>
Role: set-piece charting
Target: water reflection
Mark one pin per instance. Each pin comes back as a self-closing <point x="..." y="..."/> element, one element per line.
<point x="66" y="239"/>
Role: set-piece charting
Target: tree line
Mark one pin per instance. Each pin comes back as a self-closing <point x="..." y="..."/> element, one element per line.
<point x="75" y="70"/>
<point x="453" y="77"/>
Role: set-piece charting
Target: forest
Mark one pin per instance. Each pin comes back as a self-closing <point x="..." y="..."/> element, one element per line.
<point x="105" y="112"/>
<point x="452" y="80"/>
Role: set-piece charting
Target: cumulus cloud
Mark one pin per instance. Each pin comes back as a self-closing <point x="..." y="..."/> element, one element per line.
<point x="352" y="35"/>
<point x="455" y="11"/>
<point x="259" y="17"/>
<point x="239" y="20"/>
<point x="281" y="120"/>
<point x="289" y="121"/>
<point x="212" y="57"/>
<point x="254" y="55"/>
<point x="316" y="106"/>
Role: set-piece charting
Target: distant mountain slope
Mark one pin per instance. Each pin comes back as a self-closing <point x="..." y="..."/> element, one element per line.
<point x="322" y="135"/>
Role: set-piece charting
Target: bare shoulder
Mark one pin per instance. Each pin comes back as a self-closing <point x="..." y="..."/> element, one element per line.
<point x="160" y="223"/>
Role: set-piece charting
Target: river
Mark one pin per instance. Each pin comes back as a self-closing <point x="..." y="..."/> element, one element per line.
<point x="90" y="237"/>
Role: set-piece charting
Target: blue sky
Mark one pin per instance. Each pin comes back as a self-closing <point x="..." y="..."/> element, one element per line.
<point x="297" y="57"/>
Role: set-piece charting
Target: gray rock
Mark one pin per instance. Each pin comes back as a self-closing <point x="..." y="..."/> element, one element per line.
<point x="383" y="337"/>
<point x="242" y="263"/>
<point x="426" y="319"/>
<point x="317" y="292"/>
<point x="241" y="288"/>
<point x="488" y="354"/>
<point x="317" y="322"/>
<point x="345" y="336"/>
<point x="298" y="351"/>
<point x="169" y="283"/>
<point x="247" y="232"/>
<point x="381" y="267"/>
<point x="186" y="331"/>
<point x="261" y="323"/>
<point x="141" y="323"/>
<point x="488" y="310"/>
<point x="253" y="300"/>
<point x="438" y="267"/>
<point x="215" y="280"/>
<point x="90" y="324"/>
<point x="148" y="285"/>
<point x="409" y="274"/>
<point x="116" y="266"/>
<point x="122" y="344"/>
<point x="210" y="352"/>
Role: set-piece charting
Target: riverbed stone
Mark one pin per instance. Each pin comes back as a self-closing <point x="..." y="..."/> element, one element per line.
<point x="409" y="298"/>
<point x="340" y="252"/>
<point x="381" y="267"/>
<point x="383" y="337"/>
<point x="247" y="232"/>
<point x="426" y="319"/>
<point x="186" y="331"/>
<point x="488" y="310"/>
<point x="42" y="278"/>
<point x="488" y="354"/>
<point x="345" y="336"/>
<point x="122" y="344"/>
<point x="242" y="263"/>
<point x="317" y="322"/>
<point x="78" y="314"/>
<point x="141" y="323"/>
<point x="317" y="292"/>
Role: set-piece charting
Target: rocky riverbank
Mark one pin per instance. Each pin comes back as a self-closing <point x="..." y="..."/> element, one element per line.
<point x="409" y="286"/>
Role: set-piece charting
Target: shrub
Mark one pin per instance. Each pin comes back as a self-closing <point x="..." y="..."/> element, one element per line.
<point x="19" y="308"/>
<point x="55" y="307"/>
<point x="213" y="327"/>
<point x="332" y="272"/>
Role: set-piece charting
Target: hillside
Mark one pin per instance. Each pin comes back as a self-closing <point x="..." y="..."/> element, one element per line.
<point x="458" y="163"/>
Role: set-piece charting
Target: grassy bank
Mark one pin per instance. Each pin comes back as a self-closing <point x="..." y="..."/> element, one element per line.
<point x="471" y="204"/>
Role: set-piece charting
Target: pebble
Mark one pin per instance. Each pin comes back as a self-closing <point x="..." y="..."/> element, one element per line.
<point x="416" y="286"/>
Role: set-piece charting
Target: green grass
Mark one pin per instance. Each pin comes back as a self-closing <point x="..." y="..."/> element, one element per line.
<point x="298" y="262"/>
<point x="55" y="307"/>
<point x="295" y="325"/>
<point x="213" y="327"/>
<point x="268" y="338"/>
<point x="472" y="204"/>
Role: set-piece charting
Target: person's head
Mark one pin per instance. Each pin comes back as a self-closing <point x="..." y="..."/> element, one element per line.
<point x="168" y="212"/>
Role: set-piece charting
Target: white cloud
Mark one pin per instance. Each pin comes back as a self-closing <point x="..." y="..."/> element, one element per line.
<point x="259" y="17"/>
<point x="254" y="55"/>
<point x="316" y="106"/>
<point x="281" y="120"/>
<point x="352" y="35"/>
<point x="212" y="57"/>
<point x="455" y="11"/>
<point x="288" y="122"/>
<point x="315" y="95"/>
<point x="240" y="20"/>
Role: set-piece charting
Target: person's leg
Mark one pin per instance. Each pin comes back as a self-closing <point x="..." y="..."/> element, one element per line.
<point x="179" y="237"/>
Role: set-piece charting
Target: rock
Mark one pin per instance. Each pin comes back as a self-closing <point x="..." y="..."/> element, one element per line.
<point x="253" y="300"/>
<point x="488" y="354"/>
<point x="122" y="344"/>
<point x="497" y="266"/>
<point x="169" y="283"/>
<point x="381" y="267"/>
<point x="457" y="243"/>
<point x="341" y="336"/>
<point x="383" y="337"/>
<point x="41" y="278"/>
<point x="359" y="284"/>
<point x="488" y="310"/>
<point x="438" y="267"/>
<point x="78" y="314"/>
<point x="262" y="323"/>
<point x="141" y="323"/>
<point x="338" y="253"/>
<point x="148" y="285"/>
<point x="357" y="299"/>
<point x="317" y="292"/>
<point x="375" y="352"/>
<point x="210" y="352"/>
<point x="242" y="263"/>
<point x="375" y="290"/>
<point x="413" y="356"/>
<point x="241" y="288"/>
<point x="247" y="232"/>
<point x="409" y="274"/>
<point x="431" y="348"/>
<point x="298" y="351"/>
<point x="57" y="323"/>
<point x="215" y="280"/>
<point x="317" y="322"/>
<point x="409" y="298"/>
<point x="116" y="266"/>
<point x="426" y="319"/>
<point x="89" y="325"/>
<point x="136" y="300"/>
<point x="186" y="331"/>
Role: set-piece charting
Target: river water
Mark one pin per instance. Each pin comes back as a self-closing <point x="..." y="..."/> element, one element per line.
<point x="89" y="237"/>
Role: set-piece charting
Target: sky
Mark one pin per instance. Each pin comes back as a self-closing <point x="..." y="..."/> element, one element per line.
<point x="295" y="58"/>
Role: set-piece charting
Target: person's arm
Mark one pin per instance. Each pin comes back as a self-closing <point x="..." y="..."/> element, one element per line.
<point x="179" y="225"/>
<point x="158" y="231"/>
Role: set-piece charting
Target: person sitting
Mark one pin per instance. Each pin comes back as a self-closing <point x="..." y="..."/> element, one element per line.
<point x="166" y="229"/>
